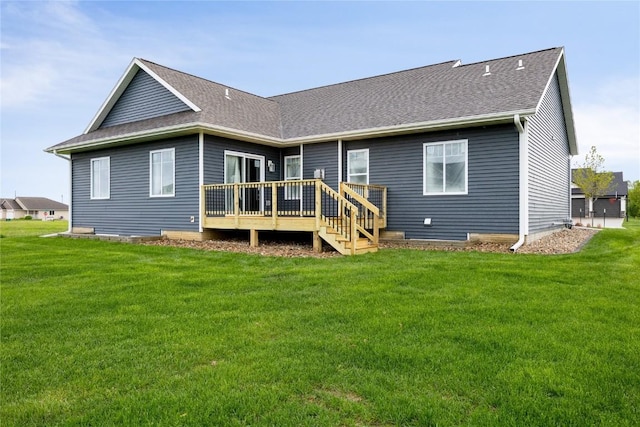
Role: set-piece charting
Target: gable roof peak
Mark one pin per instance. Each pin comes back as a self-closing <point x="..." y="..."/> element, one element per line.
<point x="134" y="67"/>
<point x="202" y="79"/>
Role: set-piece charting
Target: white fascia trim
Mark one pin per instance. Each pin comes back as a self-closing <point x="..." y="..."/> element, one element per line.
<point x="563" y="81"/>
<point x="115" y="93"/>
<point x="483" y="119"/>
<point x="122" y="85"/>
<point x="195" y="127"/>
<point x="167" y="86"/>
<point x="546" y="87"/>
<point x="567" y="109"/>
<point x="279" y="142"/>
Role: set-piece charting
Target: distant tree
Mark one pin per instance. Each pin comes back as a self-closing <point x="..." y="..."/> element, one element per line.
<point x="592" y="180"/>
<point x="633" y="206"/>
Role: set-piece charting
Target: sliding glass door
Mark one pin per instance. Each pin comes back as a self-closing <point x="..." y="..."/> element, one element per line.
<point x="243" y="168"/>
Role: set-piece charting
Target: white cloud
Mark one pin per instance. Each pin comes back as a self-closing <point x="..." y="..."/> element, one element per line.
<point x="610" y="121"/>
<point x="24" y="85"/>
<point x="40" y="62"/>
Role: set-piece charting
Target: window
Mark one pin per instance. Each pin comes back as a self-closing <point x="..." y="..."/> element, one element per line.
<point x="292" y="172"/>
<point x="163" y="173"/>
<point x="240" y="168"/>
<point x="445" y="167"/>
<point x="358" y="166"/>
<point x="100" y="178"/>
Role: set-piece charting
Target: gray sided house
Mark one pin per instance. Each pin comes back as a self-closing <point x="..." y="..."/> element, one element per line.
<point x="613" y="204"/>
<point x="35" y="207"/>
<point x="443" y="152"/>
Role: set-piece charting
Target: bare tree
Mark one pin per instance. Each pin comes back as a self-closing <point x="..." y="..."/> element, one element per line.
<point x="592" y="180"/>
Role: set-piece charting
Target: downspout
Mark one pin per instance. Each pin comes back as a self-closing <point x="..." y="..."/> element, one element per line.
<point x="68" y="159"/>
<point x="524" y="183"/>
<point x="200" y="180"/>
<point x="301" y="174"/>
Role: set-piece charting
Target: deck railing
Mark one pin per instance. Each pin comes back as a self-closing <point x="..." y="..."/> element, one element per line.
<point x="338" y="213"/>
<point x="282" y="198"/>
<point x="364" y="195"/>
<point x="347" y="212"/>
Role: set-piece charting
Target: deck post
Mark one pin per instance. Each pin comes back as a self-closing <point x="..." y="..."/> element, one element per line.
<point x="384" y="204"/>
<point x="253" y="238"/>
<point x="203" y="206"/>
<point x="236" y="203"/>
<point x="274" y="205"/>
<point x="318" y="204"/>
<point x="355" y="234"/>
<point x="317" y="242"/>
<point x="376" y="229"/>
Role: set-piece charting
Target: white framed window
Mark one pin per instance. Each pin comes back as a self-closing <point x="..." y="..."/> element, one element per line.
<point x="292" y="172"/>
<point x="243" y="168"/>
<point x="101" y="178"/>
<point x="358" y="166"/>
<point x="445" y="167"/>
<point x="162" y="173"/>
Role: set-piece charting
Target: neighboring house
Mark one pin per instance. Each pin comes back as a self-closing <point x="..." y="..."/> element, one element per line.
<point x="457" y="151"/>
<point x="612" y="205"/>
<point x="35" y="207"/>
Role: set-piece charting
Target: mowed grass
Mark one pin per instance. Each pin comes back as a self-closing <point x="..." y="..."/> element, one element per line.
<point x="102" y="333"/>
<point x="34" y="227"/>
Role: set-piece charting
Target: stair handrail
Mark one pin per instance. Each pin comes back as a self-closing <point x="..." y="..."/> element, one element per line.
<point x="361" y="199"/>
<point x="367" y="205"/>
<point x="352" y="233"/>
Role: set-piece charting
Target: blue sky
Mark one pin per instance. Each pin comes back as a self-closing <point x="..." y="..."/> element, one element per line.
<point x="60" y="60"/>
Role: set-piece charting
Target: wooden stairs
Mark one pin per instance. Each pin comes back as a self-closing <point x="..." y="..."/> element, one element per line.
<point x="345" y="219"/>
<point x="343" y="245"/>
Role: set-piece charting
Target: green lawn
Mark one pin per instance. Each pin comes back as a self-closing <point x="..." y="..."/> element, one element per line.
<point x="24" y="228"/>
<point x="103" y="333"/>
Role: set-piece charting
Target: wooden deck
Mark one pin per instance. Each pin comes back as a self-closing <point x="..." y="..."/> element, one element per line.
<point x="349" y="220"/>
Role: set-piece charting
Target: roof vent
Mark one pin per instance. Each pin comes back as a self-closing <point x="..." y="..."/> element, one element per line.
<point x="457" y="64"/>
<point x="486" y="71"/>
<point x="520" y="66"/>
<point x="226" y="94"/>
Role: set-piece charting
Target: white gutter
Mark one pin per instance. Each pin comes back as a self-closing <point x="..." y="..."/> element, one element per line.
<point x="524" y="183"/>
<point x="68" y="159"/>
<point x="55" y="152"/>
<point x="484" y="119"/>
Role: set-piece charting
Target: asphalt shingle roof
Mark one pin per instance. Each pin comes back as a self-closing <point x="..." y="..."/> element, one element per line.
<point x="426" y="94"/>
<point x="243" y="111"/>
<point x="40" y="203"/>
<point x="34" y="204"/>
<point x="10" y="204"/>
<point x="434" y="93"/>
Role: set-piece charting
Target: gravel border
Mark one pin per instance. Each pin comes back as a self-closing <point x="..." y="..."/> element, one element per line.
<point x="561" y="242"/>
